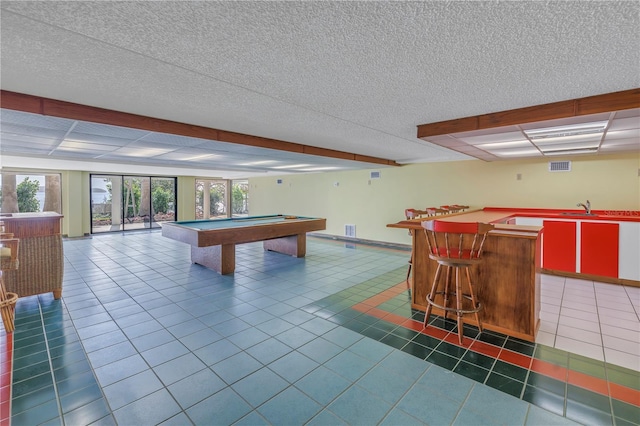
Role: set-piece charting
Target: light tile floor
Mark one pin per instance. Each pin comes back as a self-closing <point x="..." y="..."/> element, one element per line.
<point x="597" y="320"/>
<point x="142" y="336"/>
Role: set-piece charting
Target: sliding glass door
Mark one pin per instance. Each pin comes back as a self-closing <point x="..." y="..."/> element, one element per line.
<point x="121" y="203"/>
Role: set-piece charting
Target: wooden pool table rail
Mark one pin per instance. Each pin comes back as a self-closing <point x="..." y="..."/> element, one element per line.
<point x="215" y="248"/>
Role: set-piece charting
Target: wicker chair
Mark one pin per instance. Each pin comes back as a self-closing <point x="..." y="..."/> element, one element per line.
<point x="8" y="262"/>
<point x="38" y="273"/>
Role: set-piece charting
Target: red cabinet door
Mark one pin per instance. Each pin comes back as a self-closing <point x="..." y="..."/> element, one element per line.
<point x="599" y="248"/>
<point x="559" y="245"/>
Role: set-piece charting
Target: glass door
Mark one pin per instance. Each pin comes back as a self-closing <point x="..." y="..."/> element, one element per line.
<point x="136" y="191"/>
<point x="106" y="203"/>
<point x="122" y="203"/>
<point x="163" y="200"/>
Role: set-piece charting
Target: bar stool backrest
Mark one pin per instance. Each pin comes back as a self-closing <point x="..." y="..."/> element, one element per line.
<point x="410" y="214"/>
<point x="456" y="242"/>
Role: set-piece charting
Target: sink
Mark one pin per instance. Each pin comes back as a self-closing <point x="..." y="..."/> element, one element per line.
<point x="578" y="214"/>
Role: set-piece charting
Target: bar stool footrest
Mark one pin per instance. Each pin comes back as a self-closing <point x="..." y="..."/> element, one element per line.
<point x="453" y="297"/>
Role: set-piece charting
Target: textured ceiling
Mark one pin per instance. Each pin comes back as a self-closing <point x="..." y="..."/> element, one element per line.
<point x="349" y="76"/>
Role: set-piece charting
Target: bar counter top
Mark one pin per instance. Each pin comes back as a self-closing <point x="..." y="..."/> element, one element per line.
<point x="500" y="215"/>
<point x="508" y="281"/>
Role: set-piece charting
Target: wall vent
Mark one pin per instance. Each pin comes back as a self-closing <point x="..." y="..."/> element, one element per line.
<point x="375" y="175"/>
<point x="559" y="166"/>
<point x="350" y="231"/>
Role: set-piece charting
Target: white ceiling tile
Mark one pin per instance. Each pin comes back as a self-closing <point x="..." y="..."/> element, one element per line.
<point x="350" y="76"/>
<point x="632" y="123"/>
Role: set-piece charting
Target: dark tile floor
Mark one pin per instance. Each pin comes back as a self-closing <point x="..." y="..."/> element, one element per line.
<point x="142" y="336"/>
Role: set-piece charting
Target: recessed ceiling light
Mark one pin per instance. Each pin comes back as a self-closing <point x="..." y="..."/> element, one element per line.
<point x="258" y="163"/>
<point x="72" y="145"/>
<point x="568" y="139"/>
<point x="318" y="169"/>
<point x="569" y="130"/>
<point x="141" y="152"/>
<point x="507" y="153"/>
<point x="572" y="151"/>
<point x="292" y="166"/>
<point x="198" y="157"/>
<point x="512" y="144"/>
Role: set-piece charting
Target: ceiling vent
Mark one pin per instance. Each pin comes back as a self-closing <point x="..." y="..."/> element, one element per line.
<point x="559" y="166"/>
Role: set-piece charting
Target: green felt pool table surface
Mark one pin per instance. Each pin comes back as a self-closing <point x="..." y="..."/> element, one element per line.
<point x="237" y="222"/>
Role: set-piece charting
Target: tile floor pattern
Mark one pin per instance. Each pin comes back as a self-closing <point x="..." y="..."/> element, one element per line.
<point x="141" y="336"/>
<point x="597" y="320"/>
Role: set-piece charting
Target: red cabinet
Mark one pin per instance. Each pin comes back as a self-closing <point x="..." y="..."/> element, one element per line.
<point x="599" y="249"/>
<point x="559" y="245"/>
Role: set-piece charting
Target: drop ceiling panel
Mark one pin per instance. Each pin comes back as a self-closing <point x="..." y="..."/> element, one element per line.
<point x="613" y="135"/>
<point x="17" y="146"/>
<point x="42" y="132"/>
<point x="172" y="140"/>
<point x="493" y="138"/>
<point x="97" y="139"/>
<point x="624" y="123"/>
<point x="21" y="139"/>
<point x="108" y="131"/>
<point x="569" y="121"/>
<point x="632" y="143"/>
<point x="35" y="120"/>
<point x="86" y="146"/>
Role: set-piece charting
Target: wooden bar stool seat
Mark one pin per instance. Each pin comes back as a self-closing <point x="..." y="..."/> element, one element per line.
<point x="456" y="246"/>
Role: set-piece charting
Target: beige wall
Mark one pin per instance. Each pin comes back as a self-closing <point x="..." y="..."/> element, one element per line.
<point x="610" y="183"/>
<point x="75" y="203"/>
<point x="186" y="198"/>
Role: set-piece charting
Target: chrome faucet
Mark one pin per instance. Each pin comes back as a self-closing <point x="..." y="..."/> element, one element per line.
<point x="586" y="206"/>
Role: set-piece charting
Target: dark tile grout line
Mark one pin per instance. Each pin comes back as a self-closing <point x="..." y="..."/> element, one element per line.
<point x="529" y="371"/>
<point x="370" y="326"/>
<point x="72" y="321"/>
<point x="46" y="344"/>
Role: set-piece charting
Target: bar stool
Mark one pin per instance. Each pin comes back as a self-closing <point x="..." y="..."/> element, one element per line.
<point x="411" y="214"/>
<point x="8" y="261"/>
<point x="456" y="246"/>
<point x="434" y="211"/>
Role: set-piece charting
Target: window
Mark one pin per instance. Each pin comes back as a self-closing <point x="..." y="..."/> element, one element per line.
<point x="221" y="195"/>
<point x="239" y="198"/>
<point x="22" y="193"/>
<point x="215" y="204"/>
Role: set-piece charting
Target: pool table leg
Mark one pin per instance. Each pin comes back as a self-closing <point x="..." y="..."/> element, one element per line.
<point x="293" y="245"/>
<point x="220" y="258"/>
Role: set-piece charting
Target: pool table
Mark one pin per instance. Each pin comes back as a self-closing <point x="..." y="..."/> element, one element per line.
<point x="213" y="241"/>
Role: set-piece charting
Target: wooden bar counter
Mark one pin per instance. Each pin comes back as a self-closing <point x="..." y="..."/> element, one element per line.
<point x="507" y="283"/>
<point x="40" y="258"/>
